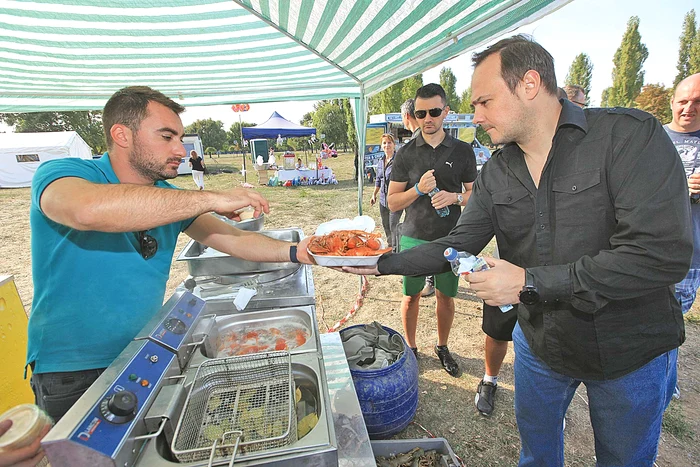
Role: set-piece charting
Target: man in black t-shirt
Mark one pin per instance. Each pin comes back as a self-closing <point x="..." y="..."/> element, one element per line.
<point x="433" y="159"/>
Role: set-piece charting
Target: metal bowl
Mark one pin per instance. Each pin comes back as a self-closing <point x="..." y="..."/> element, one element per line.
<point x="205" y="261"/>
<point x="252" y="225"/>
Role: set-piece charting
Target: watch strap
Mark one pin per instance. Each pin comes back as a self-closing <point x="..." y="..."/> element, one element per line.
<point x="293" y="254"/>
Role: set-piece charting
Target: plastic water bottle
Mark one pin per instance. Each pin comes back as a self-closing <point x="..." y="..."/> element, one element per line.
<point x="695" y="197"/>
<point x="464" y="263"/>
<point x="442" y="212"/>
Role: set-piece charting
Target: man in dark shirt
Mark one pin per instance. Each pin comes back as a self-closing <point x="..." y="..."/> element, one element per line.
<point x="591" y="213"/>
<point x="431" y="159"/>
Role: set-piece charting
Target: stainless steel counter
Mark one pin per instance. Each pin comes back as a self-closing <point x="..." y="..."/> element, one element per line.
<point x="354" y="448"/>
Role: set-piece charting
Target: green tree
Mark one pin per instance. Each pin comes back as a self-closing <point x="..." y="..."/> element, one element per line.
<point x="688" y="36"/>
<point x="465" y="102"/>
<point x="580" y="73"/>
<point x="210" y="131"/>
<point x="448" y="81"/>
<point x="233" y="135"/>
<point x="210" y="150"/>
<point x="329" y="120"/>
<point x="390" y="99"/>
<point x="605" y="97"/>
<point x="627" y="74"/>
<point x="655" y="99"/>
<point x="88" y="124"/>
<point x="694" y="61"/>
<point x="350" y="123"/>
<point x="410" y="86"/>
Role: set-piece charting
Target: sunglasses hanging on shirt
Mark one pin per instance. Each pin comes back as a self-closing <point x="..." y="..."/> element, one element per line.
<point x="148" y="244"/>
<point x="420" y="114"/>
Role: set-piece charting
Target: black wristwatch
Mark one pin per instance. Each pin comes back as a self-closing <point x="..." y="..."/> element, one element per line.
<point x="529" y="294"/>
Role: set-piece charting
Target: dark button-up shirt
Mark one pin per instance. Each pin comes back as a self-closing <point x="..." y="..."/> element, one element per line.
<point x="605" y="235"/>
<point x="454" y="163"/>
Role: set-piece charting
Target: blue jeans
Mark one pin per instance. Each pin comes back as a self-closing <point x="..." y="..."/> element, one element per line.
<point x="625" y="413"/>
<point x="687" y="288"/>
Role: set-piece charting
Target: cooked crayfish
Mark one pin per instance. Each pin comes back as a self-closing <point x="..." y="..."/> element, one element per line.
<point x="347" y="243"/>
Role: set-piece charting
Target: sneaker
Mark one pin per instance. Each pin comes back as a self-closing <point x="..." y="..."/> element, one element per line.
<point x="428" y="290"/>
<point x="448" y="363"/>
<point x="415" y="351"/>
<point x="484" y="399"/>
<point x="676" y="392"/>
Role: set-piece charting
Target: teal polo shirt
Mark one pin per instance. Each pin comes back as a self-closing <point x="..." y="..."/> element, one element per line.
<point x="93" y="291"/>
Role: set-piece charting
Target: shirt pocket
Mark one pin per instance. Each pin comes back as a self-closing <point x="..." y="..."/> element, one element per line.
<point x="514" y="211"/>
<point x="577" y="198"/>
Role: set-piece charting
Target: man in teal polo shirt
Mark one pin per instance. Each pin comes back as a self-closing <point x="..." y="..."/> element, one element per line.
<point x="103" y="237"/>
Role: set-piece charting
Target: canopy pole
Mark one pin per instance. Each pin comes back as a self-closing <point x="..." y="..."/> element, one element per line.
<point x="360" y="108"/>
<point x="240" y="125"/>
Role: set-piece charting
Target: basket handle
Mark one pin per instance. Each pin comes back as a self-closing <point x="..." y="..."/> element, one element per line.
<point x="238" y="433"/>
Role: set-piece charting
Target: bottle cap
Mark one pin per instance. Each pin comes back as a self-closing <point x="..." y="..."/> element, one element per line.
<point x="450" y="254"/>
<point x="27" y="422"/>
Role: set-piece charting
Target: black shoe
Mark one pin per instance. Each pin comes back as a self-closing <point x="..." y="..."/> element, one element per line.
<point x="448" y="363"/>
<point x="484" y="399"/>
<point x="415" y="351"/>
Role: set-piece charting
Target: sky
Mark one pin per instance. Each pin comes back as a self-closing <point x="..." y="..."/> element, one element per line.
<point x="594" y="27"/>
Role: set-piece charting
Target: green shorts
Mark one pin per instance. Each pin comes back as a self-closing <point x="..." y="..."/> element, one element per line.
<point x="447" y="283"/>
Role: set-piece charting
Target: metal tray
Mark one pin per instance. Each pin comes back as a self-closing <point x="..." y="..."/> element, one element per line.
<point x="301" y="318"/>
<point x="205" y="261"/>
<point x="392" y="447"/>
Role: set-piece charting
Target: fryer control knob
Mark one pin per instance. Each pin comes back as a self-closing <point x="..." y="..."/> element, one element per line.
<point x="119" y="407"/>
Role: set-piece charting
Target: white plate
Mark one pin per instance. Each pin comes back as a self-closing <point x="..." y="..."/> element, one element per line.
<point x="323" y="260"/>
<point x="326" y="260"/>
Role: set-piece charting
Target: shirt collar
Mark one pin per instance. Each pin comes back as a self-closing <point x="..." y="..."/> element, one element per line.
<point x="447" y="141"/>
<point x="105" y="166"/>
<point x="572" y="115"/>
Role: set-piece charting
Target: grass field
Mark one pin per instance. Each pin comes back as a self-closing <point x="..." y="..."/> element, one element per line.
<point x="446" y="407"/>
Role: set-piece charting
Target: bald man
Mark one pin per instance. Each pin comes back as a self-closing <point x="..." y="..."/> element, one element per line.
<point x="684" y="131"/>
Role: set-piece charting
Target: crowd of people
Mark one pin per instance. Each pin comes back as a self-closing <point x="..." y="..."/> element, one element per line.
<point x="600" y="297"/>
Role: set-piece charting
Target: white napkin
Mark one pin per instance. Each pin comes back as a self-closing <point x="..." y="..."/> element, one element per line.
<point x="243" y="297"/>
<point x="365" y="223"/>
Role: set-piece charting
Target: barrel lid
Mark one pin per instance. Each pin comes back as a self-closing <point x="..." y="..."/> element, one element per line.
<point x="27" y="419"/>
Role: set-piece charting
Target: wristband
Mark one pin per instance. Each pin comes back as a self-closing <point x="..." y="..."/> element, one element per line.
<point x="293" y="254"/>
<point x="420" y="193"/>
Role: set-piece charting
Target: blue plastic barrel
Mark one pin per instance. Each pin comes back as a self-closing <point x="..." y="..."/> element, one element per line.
<point x="388" y="396"/>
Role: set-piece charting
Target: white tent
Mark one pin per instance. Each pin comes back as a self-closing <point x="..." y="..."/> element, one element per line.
<point x="22" y="153"/>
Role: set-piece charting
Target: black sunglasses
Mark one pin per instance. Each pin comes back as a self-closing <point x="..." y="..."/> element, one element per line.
<point x="148" y="244"/>
<point x="420" y="114"/>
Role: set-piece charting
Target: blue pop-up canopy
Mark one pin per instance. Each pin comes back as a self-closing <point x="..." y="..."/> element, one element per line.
<point x="276" y="126"/>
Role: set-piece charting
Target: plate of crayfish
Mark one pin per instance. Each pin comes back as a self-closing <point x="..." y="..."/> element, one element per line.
<point x="347" y="248"/>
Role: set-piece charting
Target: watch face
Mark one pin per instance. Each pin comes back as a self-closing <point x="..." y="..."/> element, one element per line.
<point x="529" y="296"/>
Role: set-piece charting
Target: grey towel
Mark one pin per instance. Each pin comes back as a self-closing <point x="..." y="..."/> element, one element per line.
<point x="370" y="347"/>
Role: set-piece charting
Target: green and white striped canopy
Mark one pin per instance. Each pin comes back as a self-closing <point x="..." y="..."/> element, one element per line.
<point x="73" y="54"/>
